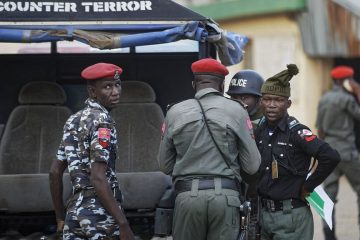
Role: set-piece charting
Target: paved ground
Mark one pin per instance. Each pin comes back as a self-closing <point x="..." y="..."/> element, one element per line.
<point x="346" y="215"/>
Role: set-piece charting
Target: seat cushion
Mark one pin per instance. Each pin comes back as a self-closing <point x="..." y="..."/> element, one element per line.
<point x="143" y="190"/>
<point x="29" y="192"/>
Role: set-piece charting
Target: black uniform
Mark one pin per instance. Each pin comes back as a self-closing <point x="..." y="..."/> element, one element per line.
<point x="286" y="152"/>
<point x="292" y="145"/>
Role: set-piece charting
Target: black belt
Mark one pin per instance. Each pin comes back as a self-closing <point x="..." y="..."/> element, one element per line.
<point x="277" y="205"/>
<point x="204" y="184"/>
<point x="91" y="193"/>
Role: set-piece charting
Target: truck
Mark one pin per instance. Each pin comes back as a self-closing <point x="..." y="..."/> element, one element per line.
<point x="44" y="45"/>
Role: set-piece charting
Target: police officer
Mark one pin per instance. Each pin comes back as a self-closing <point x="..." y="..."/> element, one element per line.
<point x="88" y="150"/>
<point x="286" y="149"/>
<point x="205" y="141"/>
<point x="245" y="86"/>
<point x="337" y="111"/>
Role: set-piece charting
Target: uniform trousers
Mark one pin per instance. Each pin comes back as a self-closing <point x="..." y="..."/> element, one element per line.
<point x="211" y="214"/>
<point x="86" y="218"/>
<point x="287" y="224"/>
<point x="351" y="170"/>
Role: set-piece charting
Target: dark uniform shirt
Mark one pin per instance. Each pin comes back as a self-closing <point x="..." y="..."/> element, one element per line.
<point x="292" y="145"/>
<point x="89" y="136"/>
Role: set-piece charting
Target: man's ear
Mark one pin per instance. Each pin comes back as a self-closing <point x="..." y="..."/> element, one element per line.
<point x="289" y="102"/>
<point x="222" y="85"/>
<point x="91" y="91"/>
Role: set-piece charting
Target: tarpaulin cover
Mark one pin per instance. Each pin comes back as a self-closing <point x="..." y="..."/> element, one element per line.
<point x="230" y="45"/>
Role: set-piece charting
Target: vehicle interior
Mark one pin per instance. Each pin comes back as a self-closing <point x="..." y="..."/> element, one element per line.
<point x="40" y="91"/>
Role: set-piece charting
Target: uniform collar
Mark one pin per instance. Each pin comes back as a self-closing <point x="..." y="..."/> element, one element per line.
<point x="95" y="104"/>
<point x="258" y="114"/>
<point x="206" y="91"/>
<point x="338" y="88"/>
<point x="283" y="122"/>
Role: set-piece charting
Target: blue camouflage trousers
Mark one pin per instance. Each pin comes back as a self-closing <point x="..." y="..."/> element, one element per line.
<point x="86" y="218"/>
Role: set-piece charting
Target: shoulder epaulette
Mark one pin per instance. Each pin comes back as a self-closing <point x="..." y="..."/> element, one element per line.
<point x="261" y="121"/>
<point x="295" y="125"/>
<point x="172" y="104"/>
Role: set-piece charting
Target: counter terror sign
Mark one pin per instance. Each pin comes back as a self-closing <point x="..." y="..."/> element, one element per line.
<point x="73" y="7"/>
<point x="82" y="10"/>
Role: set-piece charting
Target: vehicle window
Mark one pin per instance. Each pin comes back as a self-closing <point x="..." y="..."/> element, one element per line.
<point x="79" y="47"/>
<point x="179" y="46"/>
<point x="25" y="48"/>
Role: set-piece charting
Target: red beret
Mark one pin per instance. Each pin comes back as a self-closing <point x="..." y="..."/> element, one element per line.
<point x="101" y="70"/>
<point x="209" y="66"/>
<point x="341" y="72"/>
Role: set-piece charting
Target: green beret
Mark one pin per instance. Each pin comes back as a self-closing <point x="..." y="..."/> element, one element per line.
<point x="280" y="83"/>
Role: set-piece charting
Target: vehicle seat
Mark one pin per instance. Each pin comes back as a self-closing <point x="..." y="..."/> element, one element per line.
<point x="31" y="137"/>
<point x="138" y="121"/>
<point x="33" y="131"/>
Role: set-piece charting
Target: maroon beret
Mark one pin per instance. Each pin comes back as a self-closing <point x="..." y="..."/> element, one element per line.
<point x="209" y="66"/>
<point x="101" y="70"/>
<point x="341" y="72"/>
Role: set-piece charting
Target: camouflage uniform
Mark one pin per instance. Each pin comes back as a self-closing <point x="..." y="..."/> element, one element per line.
<point x="89" y="136"/>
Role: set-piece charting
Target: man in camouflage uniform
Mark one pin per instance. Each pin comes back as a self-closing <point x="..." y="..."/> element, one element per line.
<point x="203" y="151"/>
<point x="245" y="86"/>
<point x="88" y="150"/>
<point x="337" y="112"/>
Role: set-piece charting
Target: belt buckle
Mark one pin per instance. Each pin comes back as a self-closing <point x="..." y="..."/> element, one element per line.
<point x="272" y="204"/>
<point x="268" y="204"/>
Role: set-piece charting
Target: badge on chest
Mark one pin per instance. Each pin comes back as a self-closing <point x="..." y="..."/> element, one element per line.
<point x="274" y="169"/>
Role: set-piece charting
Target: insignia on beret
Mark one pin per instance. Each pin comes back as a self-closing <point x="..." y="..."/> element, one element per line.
<point x="117" y="75"/>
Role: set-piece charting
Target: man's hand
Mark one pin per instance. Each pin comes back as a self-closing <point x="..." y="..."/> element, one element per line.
<point x="126" y="233"/>
<point x="59" y="229"/>
<point x="60" y="225"/>
<point x="304" y="193"/>
<point x="353" y="87"/>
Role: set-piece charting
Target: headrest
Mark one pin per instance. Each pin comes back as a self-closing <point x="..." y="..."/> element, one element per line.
<point x="136" y="91"/>
<point x="42" y="93"/>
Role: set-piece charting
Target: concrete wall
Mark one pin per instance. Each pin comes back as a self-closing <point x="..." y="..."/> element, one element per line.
<point x="275" y="41"/>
